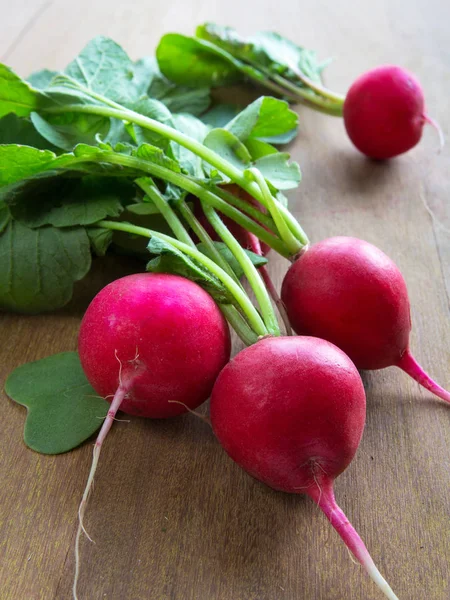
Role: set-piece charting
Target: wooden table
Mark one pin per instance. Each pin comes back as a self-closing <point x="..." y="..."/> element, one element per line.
<point x="172" y="516"/>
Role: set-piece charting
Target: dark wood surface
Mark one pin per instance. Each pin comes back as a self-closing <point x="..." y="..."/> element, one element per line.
<point x="171" y="515"/>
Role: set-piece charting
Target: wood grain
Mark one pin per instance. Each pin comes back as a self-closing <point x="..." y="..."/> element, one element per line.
<point x="172" y="516"/>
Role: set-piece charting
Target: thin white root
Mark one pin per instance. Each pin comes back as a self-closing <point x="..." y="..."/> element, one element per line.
<point x="432" y="215"/>
<point x="109" y="420"/>
<point x="193" y="412"/>
<point x="379" y="580"/>
<point x="437" y="127"/>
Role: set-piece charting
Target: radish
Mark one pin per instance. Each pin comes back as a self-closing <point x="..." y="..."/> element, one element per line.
<point x="291" y="412"/>
<point x="349" y="292"/>
<point x="384" y="112"/>
<point x="154" y="345"/>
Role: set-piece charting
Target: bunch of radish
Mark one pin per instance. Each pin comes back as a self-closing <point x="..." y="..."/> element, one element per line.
<point x="290" y="410"/>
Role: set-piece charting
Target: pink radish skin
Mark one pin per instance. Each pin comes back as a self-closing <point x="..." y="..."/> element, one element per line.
<point x="169" y="336"/>
<point x="153" y="345"/>
<point x="350" y="293"/>
<point x="291" y="412"/>
<point x="384" y="112"/>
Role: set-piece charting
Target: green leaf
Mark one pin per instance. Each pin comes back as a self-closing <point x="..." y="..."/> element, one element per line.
<point x="258" y="149"/>
<point x="100" y="239"/>
<point x="104" y="67"/>
<point x="169" y="259"/>
<point x="63" y="409"/>
<point x="283" y="55"/>
<point x="227" y="145"/>
<point x="69" y="129"/>
<point x="177" y="98"/>
<point x="220" y="115"/>
<point x="154" y="110"/>
<point x="40" y="266"/>
<point x="278" y="171"/>
<point x="265" y="119"/>
<point x="189" y="61"/>
<point x="267" y="51"/>
<point x="5" y="216"/>
<point x="16" y="130"/>
<point x="41" y="80"/>
<point x="191" y="163"/>
<point x="257" y="260"/>
<point x="19" y="162"/>
<point x="16" y="96"/>
<point x="81" y="201"/>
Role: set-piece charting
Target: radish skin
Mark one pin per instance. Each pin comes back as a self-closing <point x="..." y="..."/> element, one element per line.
<point x="384" y="112"/>
<point x="350" y="293"/>
<point x="291" y="412"/>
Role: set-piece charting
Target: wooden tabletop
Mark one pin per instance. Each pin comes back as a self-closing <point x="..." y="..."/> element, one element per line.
<point x="171" y="515"/>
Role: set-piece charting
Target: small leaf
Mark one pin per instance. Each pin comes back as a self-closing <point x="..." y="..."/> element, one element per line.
<point x="177" y="98"/>
<point x="73" y="202"/>
<point x="16" y="96"/>
<point x="265" y="119"/>
<point x="190" y="61"/>
<point x="100" y="239"/>
<point x="63" y="408"/>
<point x="41" y="80"/>
<point x="104" y="67"/>
<point x="227" y="145"/>
<point x="220" y="115"/>
<point x="69" y="129"/>
<point x="277" y="169"/>
<point x="16" y="130"/>
<point x="191" y="163"/>
<point x="40" y="266"/>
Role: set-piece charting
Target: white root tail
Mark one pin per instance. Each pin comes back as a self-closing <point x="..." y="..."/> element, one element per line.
<point x="110" y="417"/>
<point x="437" y="127"/>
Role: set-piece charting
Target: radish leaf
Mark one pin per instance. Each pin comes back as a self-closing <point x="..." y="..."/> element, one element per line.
<point x="40" y="266"/>
<point x="63" y="409"/>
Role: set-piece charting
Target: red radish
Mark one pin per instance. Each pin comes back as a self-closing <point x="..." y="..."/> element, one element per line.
<point x="349" y="292"/>
<point x="291" y="412"/>
<point x="384" y="112"/>
<point x="241" y="234"/>
<point x="155" y="344"/>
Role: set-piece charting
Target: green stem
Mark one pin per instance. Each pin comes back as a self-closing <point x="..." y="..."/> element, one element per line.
<point x="246" y="207"/>
<point x="198" y="190"/>
<point x="235" y="290"/>
<point x="338" y="99"/>
<point x="111" y="110"/>
<point x="286" y="235"/>
<point x="172" y="220"/>
<point x="239" y="324"/>
<point x="232" y="315"/>
<point x="203" y="236"/>
<point x="254" y="278"/>
<point x="333" y="108"/>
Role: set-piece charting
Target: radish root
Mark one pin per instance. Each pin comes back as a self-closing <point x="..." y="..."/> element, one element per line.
<point x="437" y="127"/>
<point x="411" y="367"/>
<point x="326" y="501"/>
<point x="193" y="412"/>
<point x="115" y="405"/>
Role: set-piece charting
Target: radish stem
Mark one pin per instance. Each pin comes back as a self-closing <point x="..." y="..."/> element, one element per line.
<point x="255" y="247"/>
